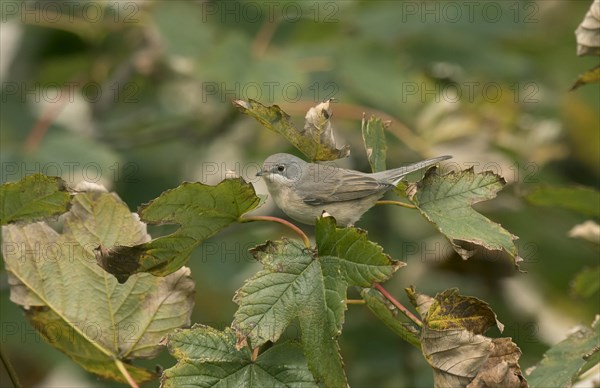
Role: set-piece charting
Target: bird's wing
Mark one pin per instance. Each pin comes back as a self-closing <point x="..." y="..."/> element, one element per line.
<point x="395" y="175"/>
<point x="344" y="185"/>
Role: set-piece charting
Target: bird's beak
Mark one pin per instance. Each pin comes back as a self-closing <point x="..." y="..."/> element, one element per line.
<point x="260" y="173"/>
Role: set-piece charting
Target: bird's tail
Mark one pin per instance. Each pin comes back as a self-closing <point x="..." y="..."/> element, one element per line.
<point x="395" y="175"/>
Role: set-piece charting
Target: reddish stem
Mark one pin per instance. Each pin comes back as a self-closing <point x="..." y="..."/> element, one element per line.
<point x="398" y="305"/>
<point x="280" y="221"/>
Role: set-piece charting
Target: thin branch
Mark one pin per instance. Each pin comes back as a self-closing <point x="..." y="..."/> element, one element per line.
<point x="398" y="305"/>
<point x="125" y="373"/>
<point x="397" y="203"/>
<point x="263" y="38"/>
<point x="40" y="128"/>
<point x="280" y="221"/>
<point x="255" y="353"/>
<point x="12" y="375"/>
<point x="356" y="301"/>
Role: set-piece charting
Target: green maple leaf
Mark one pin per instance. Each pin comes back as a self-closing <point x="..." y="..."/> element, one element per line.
<point x="297" y="282"/>
<point x="446" y="201"/>
<point x="199" y="209"/>
<point x="207" y="357"/>
<point x="566" y="361"/>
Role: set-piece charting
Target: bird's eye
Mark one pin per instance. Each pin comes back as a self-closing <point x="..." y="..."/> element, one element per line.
<point x="280" y="168"/>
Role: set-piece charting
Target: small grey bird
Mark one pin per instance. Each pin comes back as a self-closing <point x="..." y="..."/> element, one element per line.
<point x="304" y="190"/>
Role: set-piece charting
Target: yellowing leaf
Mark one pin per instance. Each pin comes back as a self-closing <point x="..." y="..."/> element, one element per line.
<point x="590" y="76"/>
<point x="79" y="308"/>
<point x="450" y="310"/>
<point x="316" y="140"/>
<point x="453" y="343"/>
<point x="446" y="201"/>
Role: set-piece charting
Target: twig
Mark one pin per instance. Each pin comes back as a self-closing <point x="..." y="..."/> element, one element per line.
<point x="12" y="375"/>
<point x="397" y="203"/>
<point x="398" y="305"/>
<point x="40" y="128"/>
<point x="281" y="221"/>
<point x="125" y="373"/>
<point x="255" y="353"/>
<point x="356" y="301"/>
<point x="263" y="38"/>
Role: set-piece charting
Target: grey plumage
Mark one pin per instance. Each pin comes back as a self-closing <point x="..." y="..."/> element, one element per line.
<point x="304" y="190"/>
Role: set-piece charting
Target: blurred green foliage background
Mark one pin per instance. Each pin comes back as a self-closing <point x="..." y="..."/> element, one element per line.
<point x="136" y="95"/>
